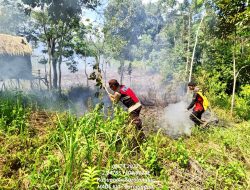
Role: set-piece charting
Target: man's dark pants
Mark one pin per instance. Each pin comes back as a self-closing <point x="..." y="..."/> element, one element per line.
<point x="135" y="119"/>
<point x="196" y="117"/>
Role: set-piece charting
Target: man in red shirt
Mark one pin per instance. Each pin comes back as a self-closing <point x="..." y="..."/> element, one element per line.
<point x="196" y="104"/>
<point x="129" y="99"/>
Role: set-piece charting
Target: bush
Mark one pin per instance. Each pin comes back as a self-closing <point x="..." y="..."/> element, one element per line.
<point x="242" y="103"/>
<point x="152" y="160"/>
<point x="210" y="82"/>
<point x="178" y="153"/>
<point x="232" y="174"/>
<point x="14" y="114"/>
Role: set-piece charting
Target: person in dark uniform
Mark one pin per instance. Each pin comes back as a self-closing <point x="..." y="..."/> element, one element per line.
<point x="196" y="104"/>
<point x="129" y="100"/>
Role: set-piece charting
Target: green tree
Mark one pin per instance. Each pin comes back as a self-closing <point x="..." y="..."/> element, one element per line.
<point x="233" y="26"/>
<point x="123" y="24"/>
<point x="12" y="18"/>
<point x="56" y="22"/>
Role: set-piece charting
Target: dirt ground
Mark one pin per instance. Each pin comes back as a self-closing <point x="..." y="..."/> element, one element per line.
<point x="150" y="117"/>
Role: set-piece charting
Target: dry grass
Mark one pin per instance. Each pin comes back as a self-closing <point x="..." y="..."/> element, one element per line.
<point x="14" y="45"/>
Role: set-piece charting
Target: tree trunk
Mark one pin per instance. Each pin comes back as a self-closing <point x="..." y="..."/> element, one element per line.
<point x="121" y="70"/>
<point x="103" y="70"/>
<point x="188" y="45"/>
<point x="59" y="65"/>
<point x="235" y="78"/>
<point x="104" y="63"/>
<point x="60" y="74"/>
<point x="97" y="62"/>
<point x="54" y="63"/>
<point x="85" y="71"/>
<point x="195" y="44"/>
<point x="234" y="75"/>
<point x="49" y="61"/>
<point x="97" y="59"/>
<point x="130" y="80"/>
<point x="105" y="73"/>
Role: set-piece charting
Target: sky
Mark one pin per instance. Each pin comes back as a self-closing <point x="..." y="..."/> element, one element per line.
<point x="148" y="1"/>
<point x="153" y="1"/>
<point x="97" y="17"/>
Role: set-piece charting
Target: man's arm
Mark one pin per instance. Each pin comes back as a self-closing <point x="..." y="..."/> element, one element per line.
<point x="193" y="101"/>
<point x="115" y="97"/>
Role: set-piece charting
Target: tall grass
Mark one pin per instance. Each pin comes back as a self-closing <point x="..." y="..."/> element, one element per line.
<point x="76" y="152"/>
<point x="13" y="113"/>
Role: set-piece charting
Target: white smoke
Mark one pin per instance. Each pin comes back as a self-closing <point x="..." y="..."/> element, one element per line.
<point x="175" y="120"/>
<point x="15" y="67"/>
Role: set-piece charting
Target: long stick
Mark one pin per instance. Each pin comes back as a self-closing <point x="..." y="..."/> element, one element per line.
<point x="197" y="117"/>
<point x="106" y="90"/>
<point x="104" y="86"/>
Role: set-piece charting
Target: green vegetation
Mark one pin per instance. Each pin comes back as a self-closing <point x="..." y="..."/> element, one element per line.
<point x="90" y="151"/>
<point x="202" y="40"/>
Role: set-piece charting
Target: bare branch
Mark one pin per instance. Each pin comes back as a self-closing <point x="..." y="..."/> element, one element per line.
<point x="243" y="67"/>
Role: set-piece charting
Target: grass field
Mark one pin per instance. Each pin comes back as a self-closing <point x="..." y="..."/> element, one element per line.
<point x="42" y="149"/>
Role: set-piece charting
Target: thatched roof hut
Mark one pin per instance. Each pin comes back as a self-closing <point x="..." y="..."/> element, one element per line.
<point x="14" y="45"/>
<point x="15" y="58"/>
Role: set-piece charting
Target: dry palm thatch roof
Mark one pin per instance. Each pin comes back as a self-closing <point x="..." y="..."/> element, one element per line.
<point x="14" y="45"/>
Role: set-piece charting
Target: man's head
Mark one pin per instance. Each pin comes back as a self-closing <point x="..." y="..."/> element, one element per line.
<point x="191" y="85"/>
<point x="113" y="84"/>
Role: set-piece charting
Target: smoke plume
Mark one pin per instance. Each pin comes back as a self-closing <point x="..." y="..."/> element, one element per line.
<point x="175" y="120"/>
